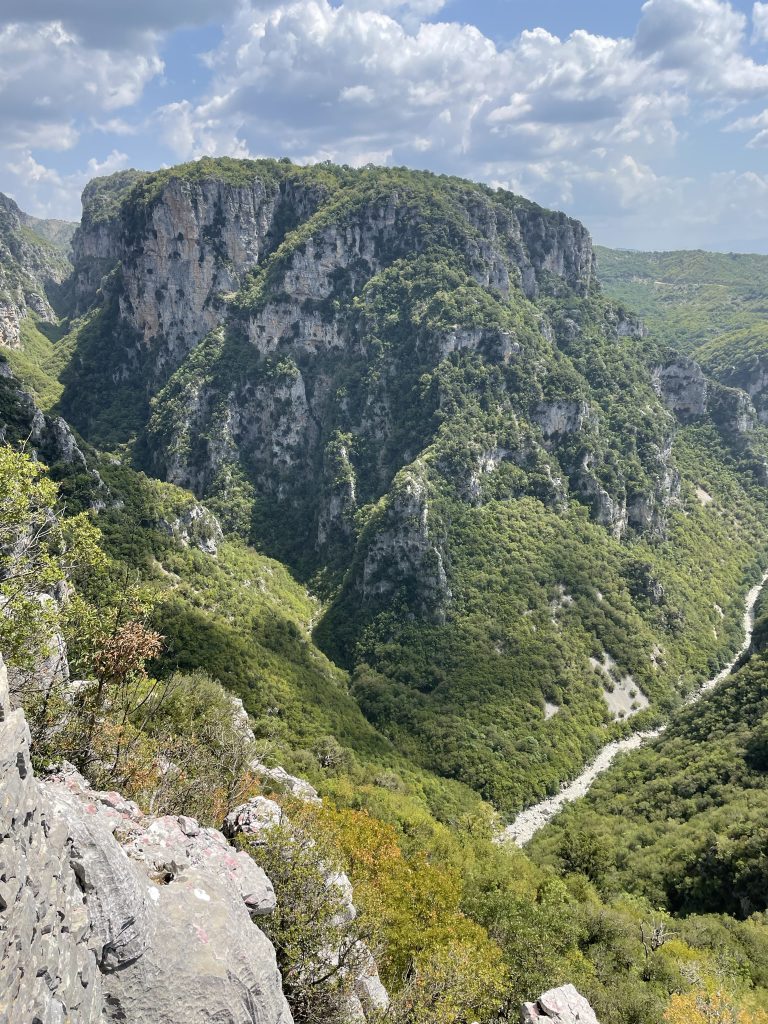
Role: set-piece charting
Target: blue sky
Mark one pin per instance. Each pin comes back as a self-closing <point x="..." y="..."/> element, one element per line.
<point x="647" y="119"/>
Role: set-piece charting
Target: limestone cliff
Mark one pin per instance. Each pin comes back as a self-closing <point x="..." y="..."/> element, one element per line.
<point x="305" y="335"/>
<point x="257" y="381"/>
<point x="178" y="253"/>
<point x="32" y="270"/>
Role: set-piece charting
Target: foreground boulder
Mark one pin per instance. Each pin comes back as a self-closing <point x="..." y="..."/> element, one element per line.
<point x="562" y="1005"/>
<point x="107" y="914"/>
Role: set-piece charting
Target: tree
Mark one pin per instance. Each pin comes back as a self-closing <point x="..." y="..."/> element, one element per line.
<point x="710" y="1006"/>
<point x="32" y="546"/>
<point x="586" y="852"/>
<point x="317" y="942"/>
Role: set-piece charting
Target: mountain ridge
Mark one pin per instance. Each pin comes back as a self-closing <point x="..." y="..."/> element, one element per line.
<point x="527" y="525"/>
<point x="363" y="372"/>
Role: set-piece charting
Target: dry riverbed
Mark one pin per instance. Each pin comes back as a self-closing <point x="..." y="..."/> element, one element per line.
<point x="532" y="819"/>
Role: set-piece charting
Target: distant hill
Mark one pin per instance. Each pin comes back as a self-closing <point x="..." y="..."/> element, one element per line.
<point x="688" y="297"/>
<point x="58" y="232"/>
<point x="713" y="306"/>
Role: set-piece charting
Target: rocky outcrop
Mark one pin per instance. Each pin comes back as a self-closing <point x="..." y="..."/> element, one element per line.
<point x="562" y="416"/>
<point x="688" y="393"/>
<point x="558" y="246"/>
<point x="367" y="996"/>
<point x="607" y="509"/>
<point x="21" y="420"/>
<point x="194" y="525"/>
<point x="96" y="245"/>
<point x="732" y="410"/>
<point x="562" y="1005"/>
<point x="277" y="779"/>
<point x="647" y="510"/>
<point x="407" y="548"/>
<point x="750" y="374"/>
<point x="31" y="271"/>
<point x="683" y="388"/>
<point x="111" y="915"/>
<point x="496" y="345"/>
<point x="47" y="438"/>
<point x="49" y="969"/>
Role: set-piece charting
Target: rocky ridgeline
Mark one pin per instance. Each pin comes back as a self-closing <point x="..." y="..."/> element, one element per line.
<point x="184" y="250"/>
<point x="31" y="270"/>
<point x="108" y="914"/>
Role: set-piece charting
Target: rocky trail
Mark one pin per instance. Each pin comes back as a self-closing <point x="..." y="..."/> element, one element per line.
<point x="533" y="818"/>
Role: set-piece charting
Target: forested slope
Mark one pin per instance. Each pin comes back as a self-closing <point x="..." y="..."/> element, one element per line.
<point x="374" y="450"/>
<point x="411" y="390"/>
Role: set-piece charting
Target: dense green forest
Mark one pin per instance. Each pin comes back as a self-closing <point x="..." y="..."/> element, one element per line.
<point x="688" y="298"/>
<point x="418" y="491"/>
<point x="432" y="377"/>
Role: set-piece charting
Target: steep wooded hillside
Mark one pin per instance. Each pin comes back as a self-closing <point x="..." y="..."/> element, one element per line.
<point x="372" y="449"/>
<point x="411" y="391"/>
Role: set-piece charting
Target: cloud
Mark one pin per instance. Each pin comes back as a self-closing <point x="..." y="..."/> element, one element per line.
<point x="589" y="121"/>
<point x="67" y="70"/>
<point x="754" y="123"/>
<point x="47" y="77"/>
<point x="49" y="193"/>
<point x="760" y="22"/>
<point x="305" y="76"/>
<point x="116" y="26"/>
<point x="703" y="41"/>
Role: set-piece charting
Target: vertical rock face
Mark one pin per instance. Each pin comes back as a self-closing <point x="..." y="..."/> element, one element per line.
<point x="750" y="374"/>
<point x="179" y="253"/>
<point x="193" y="246"/>
<point x="156" y="925"/>
<point x="683" y="388"/>
<point x="559" y="246"/>
<point x="687" y="392"/>
<point x="732" y="409"/>
<point x="408" y="547"/>
<point x="30" y="267"/>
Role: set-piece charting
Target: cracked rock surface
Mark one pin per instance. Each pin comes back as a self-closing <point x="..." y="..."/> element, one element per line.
<point x="107" y="914"/>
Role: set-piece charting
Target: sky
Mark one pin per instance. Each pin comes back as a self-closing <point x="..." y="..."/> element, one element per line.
<point x="646" y="120"/>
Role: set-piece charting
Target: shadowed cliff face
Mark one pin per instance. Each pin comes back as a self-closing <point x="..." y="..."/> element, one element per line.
<point x="312" y="332"/>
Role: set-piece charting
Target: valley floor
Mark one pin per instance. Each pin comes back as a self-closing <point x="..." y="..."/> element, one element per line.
<point x="534" y="818"/>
